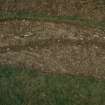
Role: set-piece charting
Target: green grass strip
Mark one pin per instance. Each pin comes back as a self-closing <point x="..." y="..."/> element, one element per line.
<point x="32" y="87"/>
<point x="20" y="15"/>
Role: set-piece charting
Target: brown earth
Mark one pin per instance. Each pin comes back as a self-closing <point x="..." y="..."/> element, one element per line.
<point x="53" y="47"/>
<point x="88" y="9"/>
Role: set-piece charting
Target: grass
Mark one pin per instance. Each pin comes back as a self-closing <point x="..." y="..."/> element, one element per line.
<point x="32" y="87"/>
<point x="20" y="15"/>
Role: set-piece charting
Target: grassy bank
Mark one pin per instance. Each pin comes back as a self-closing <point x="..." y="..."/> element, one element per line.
<point x="31" y="87"/>
<point x="20" y="15"/>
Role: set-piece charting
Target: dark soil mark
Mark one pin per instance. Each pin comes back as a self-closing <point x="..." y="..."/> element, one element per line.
<point x="46" y="43"/>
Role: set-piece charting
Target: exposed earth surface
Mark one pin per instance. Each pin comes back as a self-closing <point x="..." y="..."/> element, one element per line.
<point x="53" y="47"/>
<point x="73" y="47"/>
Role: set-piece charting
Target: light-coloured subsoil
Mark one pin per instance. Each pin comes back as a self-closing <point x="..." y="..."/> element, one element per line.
<point x="53" y="47"/>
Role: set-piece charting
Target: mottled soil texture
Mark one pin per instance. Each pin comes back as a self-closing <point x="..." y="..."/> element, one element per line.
<point x="87" y="9"/>
<point x="53" y="47"/>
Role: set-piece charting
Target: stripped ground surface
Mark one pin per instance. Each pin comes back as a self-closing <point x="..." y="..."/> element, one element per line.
<point x="87" y="9"/>
<point x="53" y="47"/>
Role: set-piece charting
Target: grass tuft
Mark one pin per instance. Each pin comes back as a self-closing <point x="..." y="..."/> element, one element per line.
<point x="20" y="15"/>
<point x="32" y="87"/>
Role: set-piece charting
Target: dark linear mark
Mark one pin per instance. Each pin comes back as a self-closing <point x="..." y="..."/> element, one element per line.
<point x="46" y="43"/>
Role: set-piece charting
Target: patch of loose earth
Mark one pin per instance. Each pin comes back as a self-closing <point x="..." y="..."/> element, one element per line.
<point x="53" y="47"/>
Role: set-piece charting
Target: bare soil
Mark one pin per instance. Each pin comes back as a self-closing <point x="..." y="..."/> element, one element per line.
<point x="53" y="47"/>
<point x="88" y="9"/>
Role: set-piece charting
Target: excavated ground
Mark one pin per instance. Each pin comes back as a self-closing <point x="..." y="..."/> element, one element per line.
<point x="53" y="47"/>
<point x="87" y="9"/>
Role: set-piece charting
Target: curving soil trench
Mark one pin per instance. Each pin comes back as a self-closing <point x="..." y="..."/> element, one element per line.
<point x="53" y="47"/>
